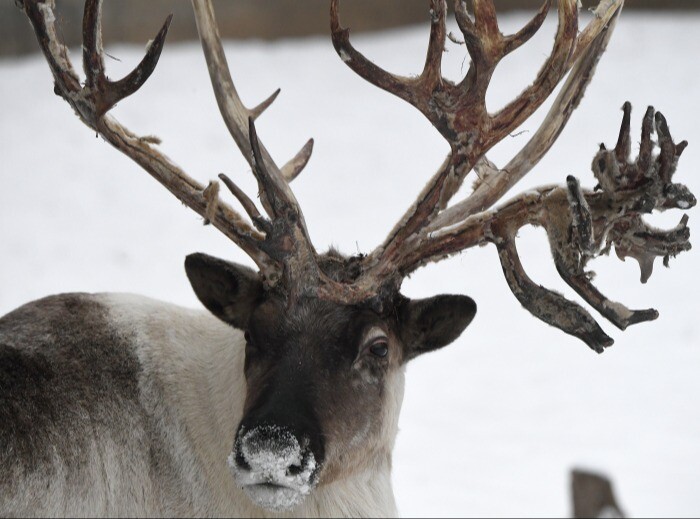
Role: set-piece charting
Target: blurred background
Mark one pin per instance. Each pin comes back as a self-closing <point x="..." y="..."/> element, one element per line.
<point x="136" y="21"/>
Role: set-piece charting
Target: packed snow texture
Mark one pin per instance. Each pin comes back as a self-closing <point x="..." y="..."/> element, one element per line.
<point x="492" y="424"/>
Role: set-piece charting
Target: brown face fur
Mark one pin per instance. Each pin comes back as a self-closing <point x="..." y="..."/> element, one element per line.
<point x="323" y="362"/>
<point x="327" y="374"/>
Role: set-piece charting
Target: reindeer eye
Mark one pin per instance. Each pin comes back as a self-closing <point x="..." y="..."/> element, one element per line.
<point x="246" y="336"/>
<point x="379" y="348"/>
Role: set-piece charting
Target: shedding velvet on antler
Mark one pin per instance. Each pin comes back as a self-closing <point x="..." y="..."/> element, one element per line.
<point x="581" y="224"/>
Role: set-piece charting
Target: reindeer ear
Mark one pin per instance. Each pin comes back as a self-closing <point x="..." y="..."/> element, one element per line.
<point x="430" y="324"/>
<point x="227" y="290"/>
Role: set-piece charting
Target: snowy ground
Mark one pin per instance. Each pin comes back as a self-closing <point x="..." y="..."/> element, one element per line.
<point x="491" y="425"/>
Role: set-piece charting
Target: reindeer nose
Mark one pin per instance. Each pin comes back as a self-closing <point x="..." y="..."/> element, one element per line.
<point x="274" y="453"/>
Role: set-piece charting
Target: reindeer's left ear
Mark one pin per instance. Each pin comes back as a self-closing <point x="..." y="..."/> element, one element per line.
<point x="227" y="290"/>
<point x="430" y="324"/>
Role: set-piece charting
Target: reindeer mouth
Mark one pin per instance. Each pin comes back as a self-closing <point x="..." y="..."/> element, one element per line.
<point x="275" y="497"/>
<point x="273" y="494"/>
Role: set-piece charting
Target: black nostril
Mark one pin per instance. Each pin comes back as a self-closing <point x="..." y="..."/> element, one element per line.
<point x="293" y="470"/>
<point x="297" y="468"/>
<point x="240" y="460"/>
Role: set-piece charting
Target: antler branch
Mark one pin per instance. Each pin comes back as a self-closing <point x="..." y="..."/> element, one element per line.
<point x="98" y="95"/>
<point x="279" y="246"/>
<point x="581" y="225"/>
<point x="233" y="111"/>
<point x="458" y="111"/>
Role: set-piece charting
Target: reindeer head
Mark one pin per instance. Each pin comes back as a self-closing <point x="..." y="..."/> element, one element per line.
<point x="324" y="379"/>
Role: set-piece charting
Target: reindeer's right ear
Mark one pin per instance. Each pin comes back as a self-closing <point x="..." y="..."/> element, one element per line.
<point x="227" y="290"/>
<point x="430" y="324"/>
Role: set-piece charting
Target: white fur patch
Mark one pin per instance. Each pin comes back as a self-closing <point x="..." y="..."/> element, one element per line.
<point x="197" y="365"/>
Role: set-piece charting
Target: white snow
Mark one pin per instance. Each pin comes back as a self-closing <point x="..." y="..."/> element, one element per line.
<point x="48" y="13"/>
<point x="345" y="56"/>
<point x="492" y="424"/>
<point x="618" y="308"/>
<point x="270" y="451"/>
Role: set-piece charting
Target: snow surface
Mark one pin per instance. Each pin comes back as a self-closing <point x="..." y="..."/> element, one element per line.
<point x="491" y="425"/>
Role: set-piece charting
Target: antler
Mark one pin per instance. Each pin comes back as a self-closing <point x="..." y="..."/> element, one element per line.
<point x="458" y="111"/>
<point x="580" y="224"/>
<point x="279" y="244"/>
<point x="93" y="100"/>
<point x="285" y="237"/>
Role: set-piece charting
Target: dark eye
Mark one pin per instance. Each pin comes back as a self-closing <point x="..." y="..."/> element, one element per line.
<point x="379" y="348"/>
<point x="246" y="336"/>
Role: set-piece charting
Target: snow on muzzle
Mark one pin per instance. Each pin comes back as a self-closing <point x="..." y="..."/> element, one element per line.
<point x="273" y="468"/>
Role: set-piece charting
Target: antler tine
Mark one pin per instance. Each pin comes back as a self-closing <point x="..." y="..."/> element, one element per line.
<point x="296" y="165"/>
<point x="667" y="146"/>
<point x="485" y="15"/>
<point x="272" y="184"/>
<point x="108" y="93"/>
<point x="431" y="76"/>
<point x="471" y="35"/>
<point x="555" y="67"/>
<point x="615" y="312"/>
<point x="623" y="148"/>
<point x="397" y="85"/>
<point x="605" y="11"/>
<point x="93" y="62"/>
<point x="233" y="111"/>
<point x="647" y="144"/>
<point x="515" y="41"/>
<point x="484" y="23"/>
<point x="258" y="110"/>
<point x="548" y="306"/>
<point x="41" y="17"/>
<point x="260" y="222"/>
<point x="484" y="45"/>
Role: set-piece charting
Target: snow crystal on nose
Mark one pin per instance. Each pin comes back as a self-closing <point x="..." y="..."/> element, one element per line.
<point x="270" y="452"/>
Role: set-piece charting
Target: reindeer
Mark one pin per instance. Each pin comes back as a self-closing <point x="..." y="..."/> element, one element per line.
<point x="283" y="397"/>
